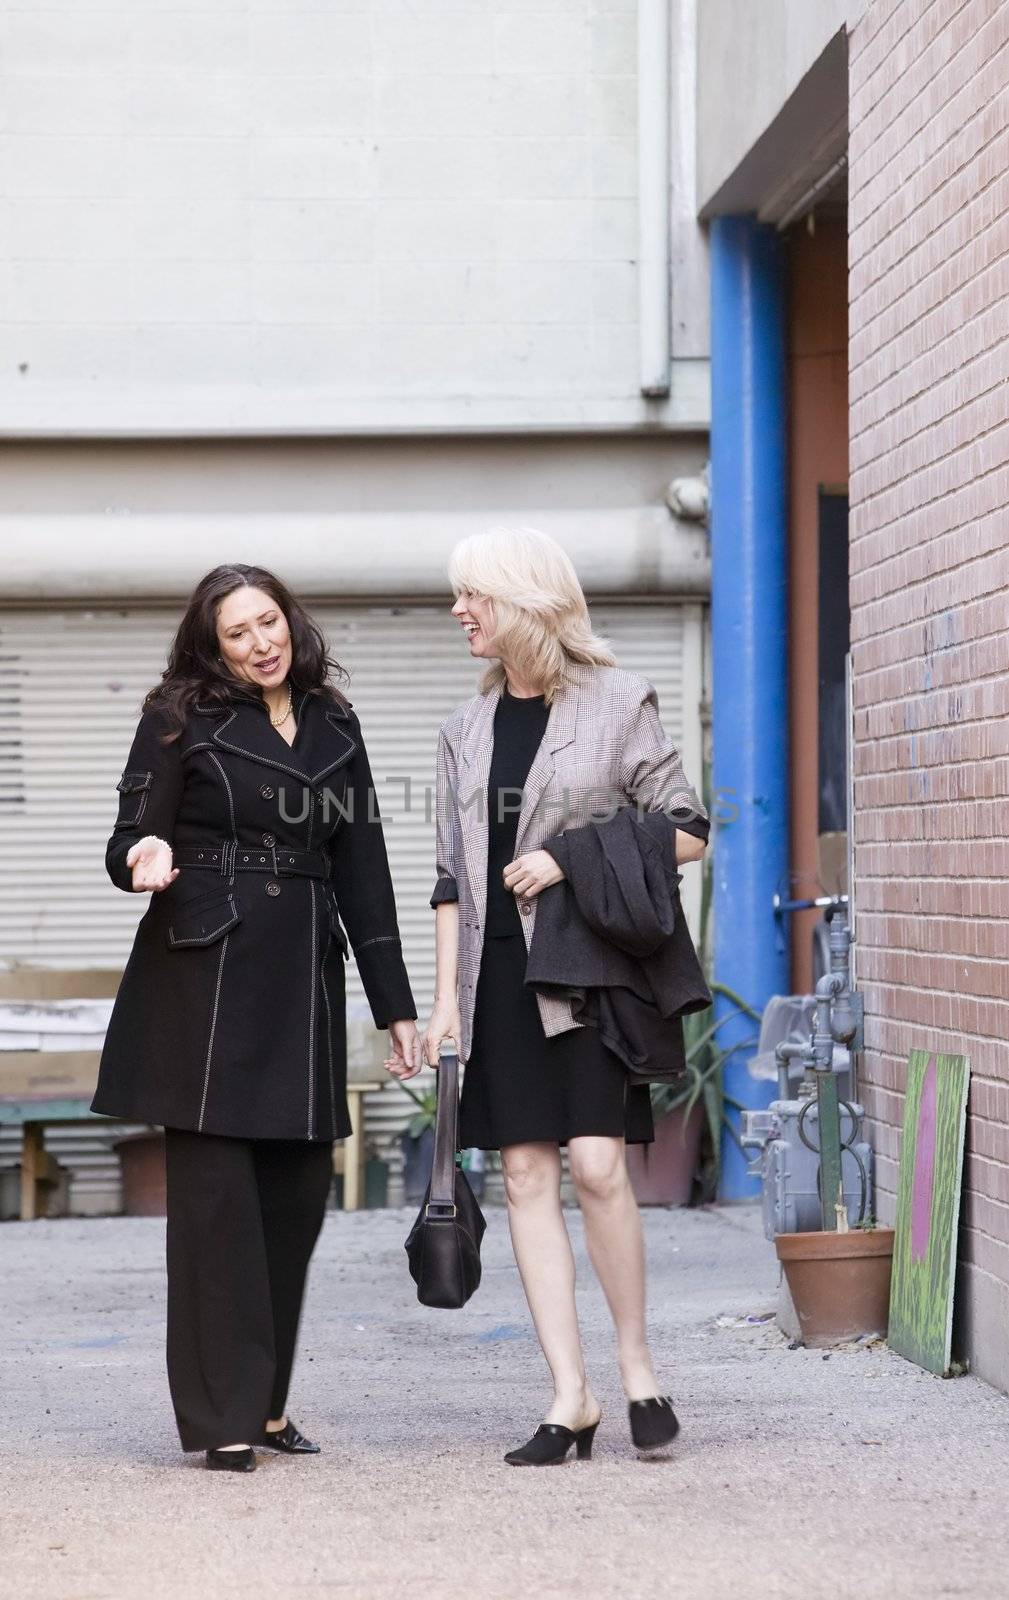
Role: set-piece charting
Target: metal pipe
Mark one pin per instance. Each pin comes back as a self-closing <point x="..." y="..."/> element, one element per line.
<point x="823" y="1034"/>
<point x="809" y="197"/>
<point x="828" y="1116"/>
<point x="844" y="1018"/>
<point x="637" y="551"/>
<point x="748" y="637"/>
<point x="818" y="903"/>
<point x="785" y="1051"/>
<point x="653" y="196"/>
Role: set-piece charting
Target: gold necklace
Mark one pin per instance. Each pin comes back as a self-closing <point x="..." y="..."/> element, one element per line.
<point x="276" y="721"/>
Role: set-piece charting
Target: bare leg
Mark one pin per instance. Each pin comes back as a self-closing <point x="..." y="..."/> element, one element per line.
<point x="547" y="1268"/>
<point x="616" y="1249"/>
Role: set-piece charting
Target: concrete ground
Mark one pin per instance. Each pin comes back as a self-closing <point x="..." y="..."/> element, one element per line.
<point x="795" y="1475"/>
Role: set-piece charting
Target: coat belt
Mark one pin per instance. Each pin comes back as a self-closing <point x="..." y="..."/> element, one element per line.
<point x="227" y="857"/>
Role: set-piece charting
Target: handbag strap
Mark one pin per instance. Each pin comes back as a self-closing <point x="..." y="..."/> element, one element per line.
<point x="442" y="1196"/>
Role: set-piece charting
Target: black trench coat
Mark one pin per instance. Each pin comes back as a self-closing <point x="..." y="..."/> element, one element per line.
<point x="230" y="1017"/>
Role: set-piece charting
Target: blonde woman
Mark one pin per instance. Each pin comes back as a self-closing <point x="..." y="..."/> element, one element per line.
<point x="556" y="724"/>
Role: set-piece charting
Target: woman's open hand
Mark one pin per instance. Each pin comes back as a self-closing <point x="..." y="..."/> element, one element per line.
<point x="444" y="1024"/>
<point x="151" y="861"/>
<point x="528" y="875"/>
<point x="404" y="1060"/>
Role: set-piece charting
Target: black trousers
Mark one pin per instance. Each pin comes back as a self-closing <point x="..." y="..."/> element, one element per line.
<point x="243" y="1219"/>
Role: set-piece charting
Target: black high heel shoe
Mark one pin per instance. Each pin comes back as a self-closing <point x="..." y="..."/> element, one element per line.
<point x="288" y="1440"/>
<point x="550" y="1444"/>
<point x="653" y="1423"/>
<point x="231" y="1460"/>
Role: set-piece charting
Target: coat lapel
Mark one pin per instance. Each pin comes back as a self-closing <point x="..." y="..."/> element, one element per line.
<point x="322" y="744"/>
<point x="476" y="747"/>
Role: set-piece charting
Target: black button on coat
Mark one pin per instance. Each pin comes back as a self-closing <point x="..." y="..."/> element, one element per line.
<point x="230" y="1017"/>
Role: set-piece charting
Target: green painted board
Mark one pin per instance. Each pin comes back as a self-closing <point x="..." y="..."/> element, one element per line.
<point x="928" y="1209"/>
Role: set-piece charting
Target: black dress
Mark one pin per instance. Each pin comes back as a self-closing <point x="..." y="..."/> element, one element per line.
<point x="519" y="1086"/>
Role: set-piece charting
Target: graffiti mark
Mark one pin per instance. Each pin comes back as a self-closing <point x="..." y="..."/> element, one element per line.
<point x="924" y="1167"/>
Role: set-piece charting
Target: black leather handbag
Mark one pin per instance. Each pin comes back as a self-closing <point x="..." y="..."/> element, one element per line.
<point x="443" y="1246"/>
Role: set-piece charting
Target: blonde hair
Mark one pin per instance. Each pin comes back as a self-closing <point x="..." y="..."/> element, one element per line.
<point x="541" y="620"/>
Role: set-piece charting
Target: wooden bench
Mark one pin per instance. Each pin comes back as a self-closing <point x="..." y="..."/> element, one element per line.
<point x="348" y="1158"/>
<point x="41" y="1088"/>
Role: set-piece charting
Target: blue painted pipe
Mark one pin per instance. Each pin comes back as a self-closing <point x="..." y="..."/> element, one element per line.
<point x="749" y="641"/>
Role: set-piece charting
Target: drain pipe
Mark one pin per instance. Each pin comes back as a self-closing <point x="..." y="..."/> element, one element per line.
<point x="653" y="197"/>
<point x="749" y="624"/>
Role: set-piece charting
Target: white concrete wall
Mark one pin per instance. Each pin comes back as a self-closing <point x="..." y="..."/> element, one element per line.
<point x="325" y="214"/>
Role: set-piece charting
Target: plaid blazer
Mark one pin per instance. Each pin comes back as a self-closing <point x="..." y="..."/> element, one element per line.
<point x="604" y="746"/>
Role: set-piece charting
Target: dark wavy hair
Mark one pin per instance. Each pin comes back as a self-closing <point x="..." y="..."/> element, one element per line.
<point x="195" y="670"/>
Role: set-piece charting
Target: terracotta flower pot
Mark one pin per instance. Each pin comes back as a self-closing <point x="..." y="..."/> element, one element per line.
<point x="839" y="1282"/>
<point x="662" y="1173"/>
<point x="142" y="1159"/>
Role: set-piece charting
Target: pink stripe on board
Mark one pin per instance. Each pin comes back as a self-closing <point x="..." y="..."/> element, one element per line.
<point x="924" y="1167"/>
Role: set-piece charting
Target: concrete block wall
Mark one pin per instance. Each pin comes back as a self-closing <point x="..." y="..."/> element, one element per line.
<point x="929" y="309"/>
<point x="371" y="198"/>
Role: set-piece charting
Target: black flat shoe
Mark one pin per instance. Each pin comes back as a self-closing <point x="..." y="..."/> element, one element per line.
<point x="231" y="1460"/>
<point x="289" y="1440"/>
<point x="550" y="1444"/>
<point x="653" y="1423"/>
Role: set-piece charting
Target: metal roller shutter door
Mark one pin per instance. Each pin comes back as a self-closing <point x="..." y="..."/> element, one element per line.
<point x="71" y="682"/>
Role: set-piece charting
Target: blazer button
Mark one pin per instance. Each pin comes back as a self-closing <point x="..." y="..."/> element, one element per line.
<point x="525" y="908"/>
<point x="273" y="887"/>
<point x="269" y="840"/>
<point x="266" y="792"/>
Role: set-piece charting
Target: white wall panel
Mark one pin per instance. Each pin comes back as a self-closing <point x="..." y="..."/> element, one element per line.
<point x="202" y="213"/>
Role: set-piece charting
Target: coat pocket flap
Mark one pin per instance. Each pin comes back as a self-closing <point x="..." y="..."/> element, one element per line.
<point x="134" y="782"/>
<point x="203" y="921"/>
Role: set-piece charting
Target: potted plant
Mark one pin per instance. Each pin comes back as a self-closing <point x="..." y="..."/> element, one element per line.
<point x="417" y="1143"/>
<point x="663" y="1173"/>
<point x="376" y="1180"/>
<point x="839" y="1280"/>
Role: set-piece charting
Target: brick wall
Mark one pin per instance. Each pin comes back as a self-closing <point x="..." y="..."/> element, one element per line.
<point x="929" y="313"/>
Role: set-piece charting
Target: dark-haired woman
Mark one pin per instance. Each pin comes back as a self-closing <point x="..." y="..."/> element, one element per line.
<point x="247" y="811"/>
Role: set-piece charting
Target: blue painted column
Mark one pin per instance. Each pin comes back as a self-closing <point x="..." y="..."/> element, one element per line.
<point x="749" y="639"/>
